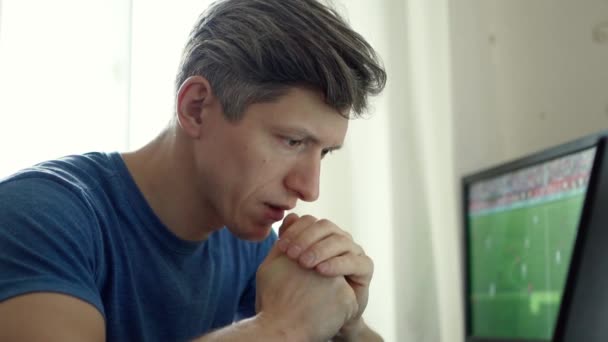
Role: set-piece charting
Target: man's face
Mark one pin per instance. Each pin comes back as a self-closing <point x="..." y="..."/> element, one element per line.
<point x="251" y="171"/>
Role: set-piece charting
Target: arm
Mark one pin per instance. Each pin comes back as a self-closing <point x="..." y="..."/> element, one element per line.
<point x="51" y="317"/>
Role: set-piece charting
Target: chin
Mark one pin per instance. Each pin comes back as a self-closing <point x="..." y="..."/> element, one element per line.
<point x="254" y="233"/>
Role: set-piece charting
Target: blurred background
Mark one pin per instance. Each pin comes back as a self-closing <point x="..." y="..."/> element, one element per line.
<point x="472" y="83"/>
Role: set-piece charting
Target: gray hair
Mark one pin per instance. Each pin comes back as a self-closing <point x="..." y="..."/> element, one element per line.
<point x="253" y="51"/>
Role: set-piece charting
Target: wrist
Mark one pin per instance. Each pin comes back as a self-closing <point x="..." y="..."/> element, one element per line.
<point x="258" y="328"/>
<point x="278" y="329"/>
<point x="357" y="331"/>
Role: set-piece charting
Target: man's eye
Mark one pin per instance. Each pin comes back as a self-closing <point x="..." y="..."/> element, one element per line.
<point x="293" y="142"/>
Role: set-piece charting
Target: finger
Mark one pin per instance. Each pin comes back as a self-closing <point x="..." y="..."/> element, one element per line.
<point x="357" y="268"/>
<point x="287" y="222"/>
<point x="293" y="230"/>
<point x="275" y="251"/>
<point x="329" y="247"/>
<point x="312" y="235"/>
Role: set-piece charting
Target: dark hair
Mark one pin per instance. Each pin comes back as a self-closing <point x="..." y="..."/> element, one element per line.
<point x="253" y="50"/>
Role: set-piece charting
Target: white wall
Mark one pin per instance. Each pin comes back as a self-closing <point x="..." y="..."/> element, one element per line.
<point x="526" y="75"/>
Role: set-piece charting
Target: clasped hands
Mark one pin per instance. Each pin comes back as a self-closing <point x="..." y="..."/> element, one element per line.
<point x="315" y="281"/>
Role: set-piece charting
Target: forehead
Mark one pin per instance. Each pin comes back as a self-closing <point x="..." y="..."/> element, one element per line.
<point x="302" y="109"/>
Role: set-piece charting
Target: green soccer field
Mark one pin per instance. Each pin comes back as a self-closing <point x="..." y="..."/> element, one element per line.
<point x="519" y="262"/>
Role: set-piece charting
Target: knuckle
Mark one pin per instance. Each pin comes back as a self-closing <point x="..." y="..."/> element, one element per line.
<point x="306" y="236"/>
<point x="296" y="228"/>
<point x="303" y="241"/>
<point x="359" y="250"/>
<point x="329" y="225"/>
<point x="345" y="239"/>
<point x="308" y="218"/>
<point x="326" y="267"/>
<point x="325" y="222"/>
<point x="321" y="250"/>
<point x="339" y="262"/>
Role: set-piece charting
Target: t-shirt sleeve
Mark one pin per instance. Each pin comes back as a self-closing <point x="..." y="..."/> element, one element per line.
<point x="247" y="302"/>
<point x="46" y="240"/>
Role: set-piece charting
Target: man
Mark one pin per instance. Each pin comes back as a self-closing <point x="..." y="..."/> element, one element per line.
<point x="173" y="242"/>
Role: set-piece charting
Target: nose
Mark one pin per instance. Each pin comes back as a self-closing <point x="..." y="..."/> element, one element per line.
<point x="303" y="179"/>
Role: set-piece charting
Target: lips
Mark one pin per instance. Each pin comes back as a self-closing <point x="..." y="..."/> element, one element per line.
<point x="275" y="212"/>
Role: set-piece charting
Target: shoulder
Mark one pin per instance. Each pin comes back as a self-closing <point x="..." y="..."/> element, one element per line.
<point x="54" y="199"/>
<point x="59" y="183"/>
<point x="52" y="186"/>
<point x="75" y="172"/>
<point x="83" y="170"/>
<point x="32" y="192"/>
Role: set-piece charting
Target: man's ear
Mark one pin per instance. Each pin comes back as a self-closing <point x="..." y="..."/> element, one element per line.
<point x="193" y="99"/>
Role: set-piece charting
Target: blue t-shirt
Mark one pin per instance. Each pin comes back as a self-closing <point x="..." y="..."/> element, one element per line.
<point x="80" y="226"/>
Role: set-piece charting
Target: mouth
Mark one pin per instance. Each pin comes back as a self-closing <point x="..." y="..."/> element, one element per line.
<point x="276" y="212"/>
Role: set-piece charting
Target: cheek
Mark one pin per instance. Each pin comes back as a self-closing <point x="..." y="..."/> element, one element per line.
<point x="260" y="169"/>
<point x="246" y="178"/>
<point x="264" y="178"/>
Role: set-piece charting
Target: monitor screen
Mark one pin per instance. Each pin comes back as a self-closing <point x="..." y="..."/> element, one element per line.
<point x="521" y="222"/>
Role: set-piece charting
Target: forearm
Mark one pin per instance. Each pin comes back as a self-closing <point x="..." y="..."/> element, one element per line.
<point x="359" y="333"/>
<point x="256" y="327"/>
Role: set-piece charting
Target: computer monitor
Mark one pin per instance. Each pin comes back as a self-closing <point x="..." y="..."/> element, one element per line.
<point x="522" y="234"/>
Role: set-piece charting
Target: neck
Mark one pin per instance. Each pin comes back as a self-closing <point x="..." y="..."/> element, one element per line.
<point x="165" y="173"/>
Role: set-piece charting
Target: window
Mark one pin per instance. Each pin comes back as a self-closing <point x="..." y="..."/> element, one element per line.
<point x="94" y="75"/>
<point x="63" y="79"/>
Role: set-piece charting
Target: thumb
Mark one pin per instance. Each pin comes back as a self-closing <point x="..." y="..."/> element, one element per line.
<point x="274" y="252"/>
<point x="288" y="221"/>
